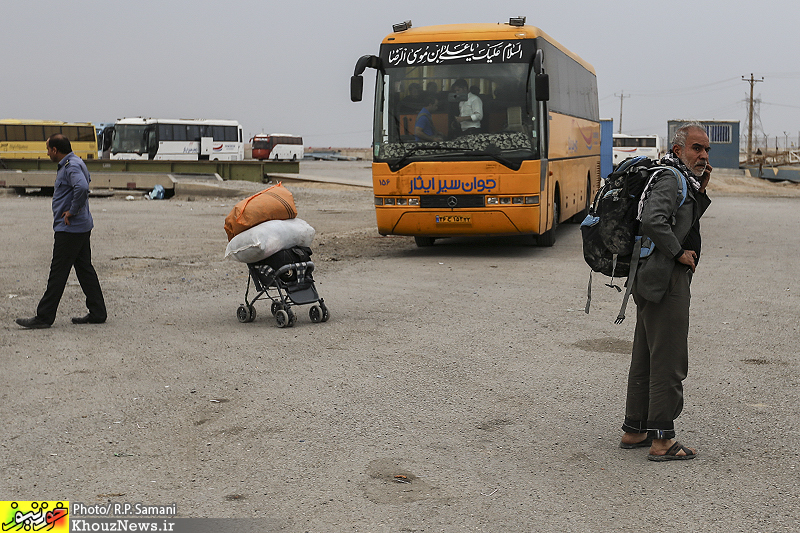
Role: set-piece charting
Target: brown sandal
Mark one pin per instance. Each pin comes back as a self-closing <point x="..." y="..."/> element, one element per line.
<point x="672" y="454"/>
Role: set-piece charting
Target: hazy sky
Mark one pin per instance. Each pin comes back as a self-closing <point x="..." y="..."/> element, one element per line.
<point x="285" y="66"/>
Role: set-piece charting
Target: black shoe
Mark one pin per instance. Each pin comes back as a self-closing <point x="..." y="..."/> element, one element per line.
<point x="87" y="319"/>
<point x="32" y="323"/>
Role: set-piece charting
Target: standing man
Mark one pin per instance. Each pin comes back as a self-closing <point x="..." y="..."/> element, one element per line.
<point x="470" y="110"/>
<point x="660" y="356"/>
<point x="72" y="223"/>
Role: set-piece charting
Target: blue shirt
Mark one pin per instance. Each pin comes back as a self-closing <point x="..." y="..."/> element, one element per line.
<point x="425" y="123"/>
<point x="71" y="193"/>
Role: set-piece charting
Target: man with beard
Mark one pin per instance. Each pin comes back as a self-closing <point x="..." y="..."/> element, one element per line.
<point x="661" y="290"/>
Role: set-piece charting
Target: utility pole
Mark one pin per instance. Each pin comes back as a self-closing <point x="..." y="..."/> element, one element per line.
<point x="752" y="82"/>
<point x="621" y="97"/>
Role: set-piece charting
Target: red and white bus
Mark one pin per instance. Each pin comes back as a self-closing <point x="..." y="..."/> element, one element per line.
<point x="277" y="146"/>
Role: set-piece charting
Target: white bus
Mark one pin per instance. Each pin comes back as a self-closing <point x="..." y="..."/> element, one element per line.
<point x="277" y="146"/>
<point x="626" y="146"/>
<point x="177" y="139"/>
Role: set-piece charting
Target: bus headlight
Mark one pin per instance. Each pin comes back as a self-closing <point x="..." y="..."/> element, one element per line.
<point x="505" y="200"/>
<point x="378" y="200"/>
<point x="491" y="200"/>
<point x="388" y="201"/>
<point x="531" y="200"/>
<point x="516" y="200"/>
<point x="413" y="201"/>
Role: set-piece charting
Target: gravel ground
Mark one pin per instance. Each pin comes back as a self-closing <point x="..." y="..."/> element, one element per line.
<point x="455" y="388"/>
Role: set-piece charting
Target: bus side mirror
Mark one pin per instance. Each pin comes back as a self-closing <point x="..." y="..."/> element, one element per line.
<point x="542" y="87"/>
<point x="356" y="88"/>
<point x="356" y="81"/>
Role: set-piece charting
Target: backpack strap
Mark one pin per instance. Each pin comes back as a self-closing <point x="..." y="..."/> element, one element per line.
<point x="637" y="248"/>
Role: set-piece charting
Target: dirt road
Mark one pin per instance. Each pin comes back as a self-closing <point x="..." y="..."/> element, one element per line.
<point x="455" y="388"/>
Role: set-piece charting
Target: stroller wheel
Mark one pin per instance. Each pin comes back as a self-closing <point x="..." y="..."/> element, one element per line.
<point x="325" y="314"/>
<point x="282" y="318"/>
<point x="292" y="317"/>
<point x="315" y="314"/>
<point x="246" y="313"/>
<point x="274" y="308"/>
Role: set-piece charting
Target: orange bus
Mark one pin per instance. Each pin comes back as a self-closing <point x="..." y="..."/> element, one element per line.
<point x="530" y="158"/>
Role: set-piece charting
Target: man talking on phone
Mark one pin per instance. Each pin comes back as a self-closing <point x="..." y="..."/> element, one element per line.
<point x="661" y="290"/>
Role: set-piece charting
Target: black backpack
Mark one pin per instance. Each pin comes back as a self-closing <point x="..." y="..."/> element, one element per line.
<point x="610" y="231"/>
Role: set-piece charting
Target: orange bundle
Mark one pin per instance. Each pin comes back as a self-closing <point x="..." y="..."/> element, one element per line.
<point x="274" y="203"/>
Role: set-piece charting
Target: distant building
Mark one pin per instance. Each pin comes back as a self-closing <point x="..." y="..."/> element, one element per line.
<point x="724" y="137"/>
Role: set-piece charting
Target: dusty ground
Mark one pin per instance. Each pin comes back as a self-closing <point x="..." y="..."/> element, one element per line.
<point x="469" y="368"/>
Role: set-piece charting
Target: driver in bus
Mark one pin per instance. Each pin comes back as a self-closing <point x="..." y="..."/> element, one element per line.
<point x="470" y="109"/>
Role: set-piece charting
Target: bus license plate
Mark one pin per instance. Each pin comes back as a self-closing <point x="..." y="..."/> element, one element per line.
<point x="453" y="219"/>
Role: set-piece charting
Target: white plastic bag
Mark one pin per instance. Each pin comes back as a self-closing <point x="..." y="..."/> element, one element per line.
<point x="267" y="238"/>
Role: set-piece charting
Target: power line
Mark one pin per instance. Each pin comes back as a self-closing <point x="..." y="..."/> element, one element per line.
<point x="781" y="105"/>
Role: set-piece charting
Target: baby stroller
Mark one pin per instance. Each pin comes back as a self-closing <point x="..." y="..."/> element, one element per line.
<point x="285" y="278"/>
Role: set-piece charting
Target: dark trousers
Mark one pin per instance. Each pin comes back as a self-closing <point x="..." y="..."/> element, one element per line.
<point x="660" y="359"/>
<point x="71" y="250"/>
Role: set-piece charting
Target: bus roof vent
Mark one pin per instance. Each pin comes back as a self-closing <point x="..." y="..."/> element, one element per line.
<point x="516" y="21"/>
<point x="403" y="26"/>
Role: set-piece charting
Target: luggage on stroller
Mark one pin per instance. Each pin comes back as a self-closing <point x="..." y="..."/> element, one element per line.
<point x="286" y="278"/>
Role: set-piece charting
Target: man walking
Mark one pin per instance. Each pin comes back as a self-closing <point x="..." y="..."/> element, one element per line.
<point x="660" y="355"/>
<point x="72" y="223"/>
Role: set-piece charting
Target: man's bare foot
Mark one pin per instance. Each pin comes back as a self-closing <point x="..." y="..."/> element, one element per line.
<point x="635" y="440"/>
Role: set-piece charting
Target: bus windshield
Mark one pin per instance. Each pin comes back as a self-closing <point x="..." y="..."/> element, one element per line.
<point x="505" y="129"/>
<point x="129" y="139"/>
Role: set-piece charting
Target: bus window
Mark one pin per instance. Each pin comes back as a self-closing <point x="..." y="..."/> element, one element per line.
<point x="165" y="132"/>
<point x="34" y="133"/>
<point x="51" y="130"/>
<point x="15" y="133"/>
<point x="85" y="133"/>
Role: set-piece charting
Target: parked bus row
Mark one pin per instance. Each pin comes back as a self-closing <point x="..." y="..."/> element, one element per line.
<point x="146" y="139"/>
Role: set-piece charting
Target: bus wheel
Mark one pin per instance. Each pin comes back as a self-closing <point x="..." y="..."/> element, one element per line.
<point x="423" y="242"/>
<point x="548" y="238"/>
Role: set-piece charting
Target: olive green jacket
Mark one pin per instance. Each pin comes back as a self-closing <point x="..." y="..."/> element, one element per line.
<point x="667" y="232"/>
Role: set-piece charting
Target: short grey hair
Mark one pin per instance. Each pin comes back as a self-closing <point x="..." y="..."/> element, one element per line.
<point x="681" y="133"/>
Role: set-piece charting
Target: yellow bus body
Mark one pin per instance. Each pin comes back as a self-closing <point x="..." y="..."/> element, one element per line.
<point x="25" y="139"/>
<point x="518" y="201"/>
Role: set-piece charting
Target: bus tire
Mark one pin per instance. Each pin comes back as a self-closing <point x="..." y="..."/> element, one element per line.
<point x="548" y="238"/>
<point x="424" y="242"/>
